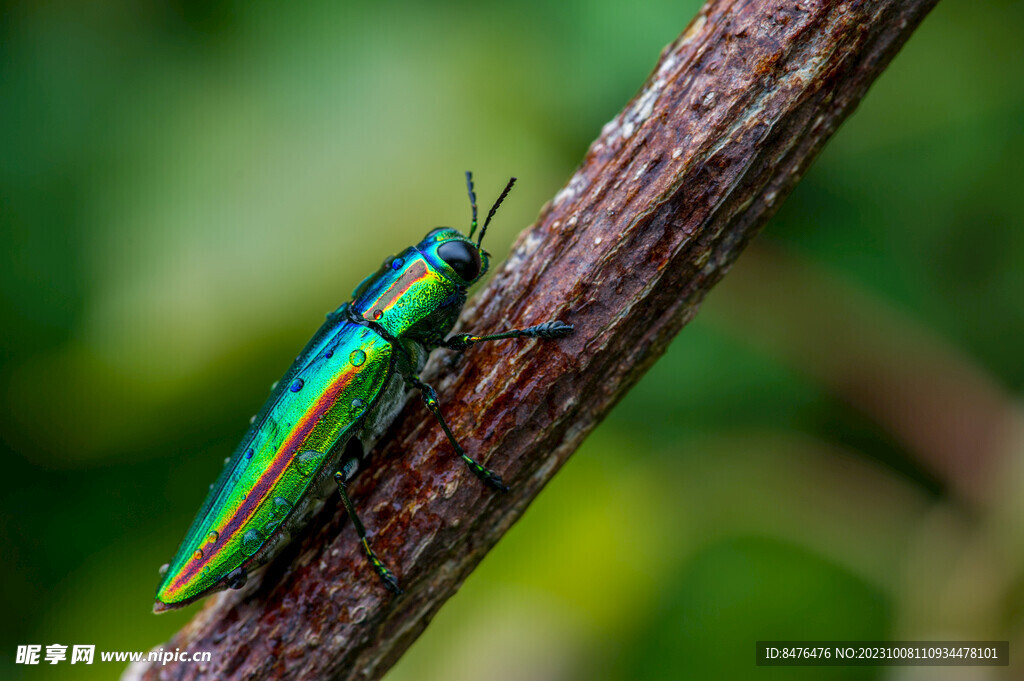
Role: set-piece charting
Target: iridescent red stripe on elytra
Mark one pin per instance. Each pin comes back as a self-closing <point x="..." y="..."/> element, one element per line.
<point x="416" y="272"/>
<point x="273" y="472"/>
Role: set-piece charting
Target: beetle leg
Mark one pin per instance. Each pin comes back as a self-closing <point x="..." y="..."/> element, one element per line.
<point x="382" y="570"/>
<point x="430" y="398"/>
<point x="552" y="329"/>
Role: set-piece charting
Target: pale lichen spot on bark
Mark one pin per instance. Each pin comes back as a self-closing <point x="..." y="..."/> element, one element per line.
<point x="810" y="71"/>
<point x="667" y="65"/>
<point x="644" y="106"/>
<point x="609" y="132"/>
<point x="422" y="546"/>
<point x="696" y="25"/>
<point x="544" y="471"/>
<point x="576" y="185"/>
<point x="519" y="255"/>
<point x="357" y="614"/>
<point x="450" y="488"/>
<point x="563" y="194"/>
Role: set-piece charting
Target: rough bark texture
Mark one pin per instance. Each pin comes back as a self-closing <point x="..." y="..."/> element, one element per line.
<point x="666" y="198"/>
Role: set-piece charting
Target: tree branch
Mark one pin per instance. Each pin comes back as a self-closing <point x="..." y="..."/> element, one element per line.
<point x="666" y="198"/>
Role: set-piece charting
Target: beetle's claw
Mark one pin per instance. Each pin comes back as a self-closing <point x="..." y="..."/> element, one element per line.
<point x="237" y="578"/>
<point x="494" y="480"/>
<point x="390" y="581"/>
<point x="554" y="329"/>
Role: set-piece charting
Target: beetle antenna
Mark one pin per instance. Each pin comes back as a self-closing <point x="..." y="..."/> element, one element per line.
<point x="472" y="202"/>
<point x="494" y="208"/>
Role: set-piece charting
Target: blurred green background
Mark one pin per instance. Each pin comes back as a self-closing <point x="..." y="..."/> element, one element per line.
<point x="832" y="450"/>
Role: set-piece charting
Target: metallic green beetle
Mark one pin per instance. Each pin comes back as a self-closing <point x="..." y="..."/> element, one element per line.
<point x="339" y="395"/>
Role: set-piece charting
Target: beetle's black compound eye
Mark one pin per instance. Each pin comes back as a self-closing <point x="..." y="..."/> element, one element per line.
<point x="462" y="257"/>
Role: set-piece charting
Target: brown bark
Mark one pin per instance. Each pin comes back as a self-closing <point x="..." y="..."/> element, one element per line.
<point x="666" y="198"/>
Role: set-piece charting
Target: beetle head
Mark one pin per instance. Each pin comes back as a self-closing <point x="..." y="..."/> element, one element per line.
<point x="456" y="253"/>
